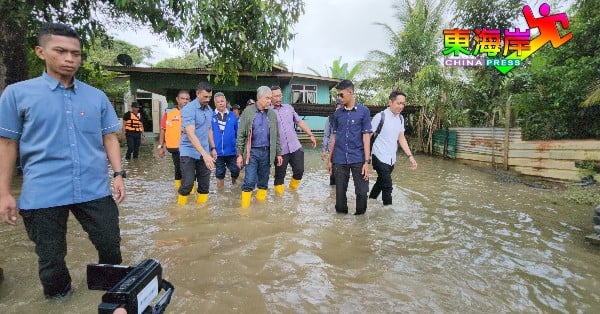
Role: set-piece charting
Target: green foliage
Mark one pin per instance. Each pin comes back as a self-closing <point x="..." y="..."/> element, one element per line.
<point x="105" y="52"/>
<point x="582" y="195"/>
<point x="234" y="35"/>
<point x="414" y="46"/>
<point x="498" y="14"/>
<point x="561" y="79"/>
<point x="191" y="60"/>
<point x="487" y="89"/>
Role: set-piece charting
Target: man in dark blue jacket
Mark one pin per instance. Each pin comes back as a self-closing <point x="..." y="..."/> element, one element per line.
<point x="224" y="128"/>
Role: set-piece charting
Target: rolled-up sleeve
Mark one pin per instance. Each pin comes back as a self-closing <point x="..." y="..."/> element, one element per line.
<point x="11" y="124"/>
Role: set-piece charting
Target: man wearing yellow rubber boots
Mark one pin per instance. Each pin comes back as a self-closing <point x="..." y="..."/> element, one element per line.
<point x="197" y="146"/>
<point x="291" y="149"/>
<point x="258" y="145"/>
<point x="170" y="133"/>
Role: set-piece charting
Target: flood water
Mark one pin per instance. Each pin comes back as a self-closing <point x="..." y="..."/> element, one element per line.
<point x="456" y="240"/>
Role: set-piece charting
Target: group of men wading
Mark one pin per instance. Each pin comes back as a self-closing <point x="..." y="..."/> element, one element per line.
<point x="201" y="140"/>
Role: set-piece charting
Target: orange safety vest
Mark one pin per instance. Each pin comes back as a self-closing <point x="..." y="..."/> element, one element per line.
<point x="133" y="124"/>
<point x="173" y="128"/>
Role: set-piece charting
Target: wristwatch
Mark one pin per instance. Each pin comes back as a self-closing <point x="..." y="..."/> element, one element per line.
<point x="121" y="173"/>
<point x="159" y="146"/>
<point x="368" y="161"/>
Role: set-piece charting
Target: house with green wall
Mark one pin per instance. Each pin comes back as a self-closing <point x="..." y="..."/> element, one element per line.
<point x="297" y="88"/>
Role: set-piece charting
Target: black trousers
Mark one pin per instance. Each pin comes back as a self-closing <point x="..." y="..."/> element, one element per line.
<point x="341" y="173"/>
<point x="194" y="169"/>
<point x="176" y="162"/>
<point x="47" y="228"/>
<point x="134" y="140"/>
<point x="384" y="181"/>
<point x="296" y="160"/>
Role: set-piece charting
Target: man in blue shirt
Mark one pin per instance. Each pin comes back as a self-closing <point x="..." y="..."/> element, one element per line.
<point x="350" y="149"/>
<point x="224" y="129"/>
<point x="65" y="131"/>
<point x="197" y="147"/>
<point x="258" y="145"/>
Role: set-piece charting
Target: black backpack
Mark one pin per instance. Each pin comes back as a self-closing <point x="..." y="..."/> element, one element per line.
<point x="378" y="130"/>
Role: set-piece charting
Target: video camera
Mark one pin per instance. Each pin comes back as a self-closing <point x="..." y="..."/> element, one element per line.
<point x="130" y="287"/>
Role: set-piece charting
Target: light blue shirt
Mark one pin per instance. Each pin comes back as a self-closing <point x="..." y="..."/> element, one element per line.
<point x="201" y="119"/>
<point x="60" y="140"/>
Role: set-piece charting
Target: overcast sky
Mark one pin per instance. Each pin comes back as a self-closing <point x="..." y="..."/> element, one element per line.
<point x="329" y="29"/>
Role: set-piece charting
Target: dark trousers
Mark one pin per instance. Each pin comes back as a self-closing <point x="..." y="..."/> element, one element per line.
<point x="296" y="160"/>
<point x="176" y="163"/>
<point x="361" y="187"/>
<point x="384" y="181"/>
<point x="194" y="169"/>
<point x="134" y="140"/>
<point x="226" y="162"/>
<point x="47" y="228"/>
<point x="257" y="171"/>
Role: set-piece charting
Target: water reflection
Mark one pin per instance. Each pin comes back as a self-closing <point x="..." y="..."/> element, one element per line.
<point x="455" y="240"/>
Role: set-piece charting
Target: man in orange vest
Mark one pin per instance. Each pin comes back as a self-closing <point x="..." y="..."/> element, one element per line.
<point x="170" y="133"/>
<point x="133" y="131"/>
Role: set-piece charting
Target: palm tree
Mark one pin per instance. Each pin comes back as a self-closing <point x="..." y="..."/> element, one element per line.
<point x="414" y="46"/>
<point x="340" y="70"/>
<point x="594" y="96"/>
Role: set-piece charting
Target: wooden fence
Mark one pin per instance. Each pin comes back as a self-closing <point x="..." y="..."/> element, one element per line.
<point x="548" y="159"/>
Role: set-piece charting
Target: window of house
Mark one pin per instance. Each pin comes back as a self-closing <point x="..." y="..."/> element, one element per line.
<point x="304" y="94"/>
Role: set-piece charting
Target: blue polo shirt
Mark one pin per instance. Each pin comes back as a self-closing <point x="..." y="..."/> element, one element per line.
<point x="60" y="140"/>
<point x="348" y="127"/>
<point x="200" y="118"/>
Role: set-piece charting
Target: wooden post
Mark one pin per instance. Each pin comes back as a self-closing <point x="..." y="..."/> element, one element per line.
<point x="507" y="133"/>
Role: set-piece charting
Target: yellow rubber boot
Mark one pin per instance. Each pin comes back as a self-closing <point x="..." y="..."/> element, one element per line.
<point x="182" y="199"/>
<point x="201" y="198"/>
<point x="177" y="184"/>
<point x="279" y="189"/>
<point x="294" y="184"/>
<point x="261" y="194"/>
<point x="246" y="198"/>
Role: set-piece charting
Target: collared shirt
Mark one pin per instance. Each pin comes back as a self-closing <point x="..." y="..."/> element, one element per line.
<point x="348" y="127"/>
<point x="287" y="118"/>
<point x="386" y="143"/>
<point x="60" y="134"/>
<point x="221" y="119"/>
<point x="327" y="134"/>
<point x="194" y="114"/>
<point x="260" y="129"/>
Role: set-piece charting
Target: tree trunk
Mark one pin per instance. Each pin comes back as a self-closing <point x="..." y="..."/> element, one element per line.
<point x="13" y="54"/>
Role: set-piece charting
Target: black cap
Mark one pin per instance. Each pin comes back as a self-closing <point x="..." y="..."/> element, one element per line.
<point x="235" y="106"/>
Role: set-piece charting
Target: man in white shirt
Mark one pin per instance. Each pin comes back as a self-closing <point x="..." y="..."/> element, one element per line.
<point x="386" y="146"/>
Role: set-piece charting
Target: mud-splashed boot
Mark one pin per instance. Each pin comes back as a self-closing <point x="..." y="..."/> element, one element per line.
<point x="182" y="199"/>
<point x="246" y="198"/>
<point x="279" y="189"/>
<point x="294" y="184"/>
<point x="201" y="198"/>
<point x="177" y="184"/>
<point x="261" y="194"/>
<point x="220" y="183"/>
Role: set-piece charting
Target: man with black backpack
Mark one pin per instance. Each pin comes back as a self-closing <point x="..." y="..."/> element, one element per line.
<point x="388" y="134"/>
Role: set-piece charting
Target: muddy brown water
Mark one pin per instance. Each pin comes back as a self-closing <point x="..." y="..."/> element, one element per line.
<point x="455" y="240"/>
